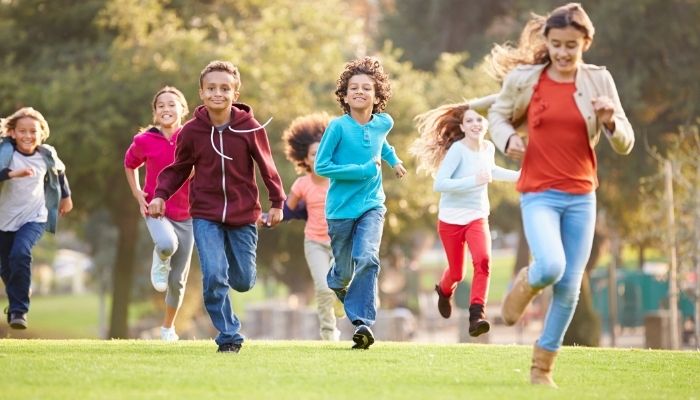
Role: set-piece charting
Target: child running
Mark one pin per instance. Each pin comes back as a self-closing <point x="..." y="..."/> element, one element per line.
<point x="171" y="234"/>
<point x="223" y="143"/>
<point x="566" y="106"/>
<point x="34" y="191"/>
<point x="451" y="145"/>
<point x="301" y="141"/>
<point x="350" y="155"/>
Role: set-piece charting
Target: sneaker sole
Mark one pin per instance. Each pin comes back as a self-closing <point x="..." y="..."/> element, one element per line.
<point x="18" y="325"/>
<point x="362" y="341"/>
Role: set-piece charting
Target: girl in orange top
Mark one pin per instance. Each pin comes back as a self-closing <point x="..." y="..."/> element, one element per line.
<point x="566" y="105"/>
<point x="301" y="143"/>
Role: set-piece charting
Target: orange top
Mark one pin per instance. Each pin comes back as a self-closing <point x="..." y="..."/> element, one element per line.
<point x="558" y="154"/>
<point x="314" y="194"/>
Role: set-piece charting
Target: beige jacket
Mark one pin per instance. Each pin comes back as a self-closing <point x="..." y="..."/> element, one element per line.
<point x="509" y="109"/>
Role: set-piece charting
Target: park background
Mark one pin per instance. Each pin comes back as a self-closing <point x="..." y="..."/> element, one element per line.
<point x="91" y="67"/>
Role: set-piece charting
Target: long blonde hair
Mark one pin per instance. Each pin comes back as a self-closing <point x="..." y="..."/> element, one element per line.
<point x="438" y="129"/>
<point x="532" y="48"/>
<point x="10" y="123"/>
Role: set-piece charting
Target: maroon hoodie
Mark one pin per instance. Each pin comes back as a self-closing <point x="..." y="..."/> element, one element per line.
<point x="223" y="188"/>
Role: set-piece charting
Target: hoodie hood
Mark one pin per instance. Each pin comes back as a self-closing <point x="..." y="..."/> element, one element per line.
<point x="241" y="115"/>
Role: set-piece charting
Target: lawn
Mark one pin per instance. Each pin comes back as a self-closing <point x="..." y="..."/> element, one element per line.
<point x="90" y="369"/>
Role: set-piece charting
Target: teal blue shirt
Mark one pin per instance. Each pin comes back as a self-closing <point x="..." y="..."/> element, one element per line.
<point x="346" y="156"/>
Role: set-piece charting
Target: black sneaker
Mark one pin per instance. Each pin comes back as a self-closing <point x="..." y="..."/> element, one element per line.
<point x="17" y="320"/>
<point x="363" y="337"/>
<point x="229" y="348"/>
<point x="340" y="293"/>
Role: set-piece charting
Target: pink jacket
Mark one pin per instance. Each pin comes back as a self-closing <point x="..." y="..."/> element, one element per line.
<point x="153" y="149"/>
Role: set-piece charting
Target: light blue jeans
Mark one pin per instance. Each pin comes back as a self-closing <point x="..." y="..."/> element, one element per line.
<point x="355" y="243"/>
<point x="559" y="229"/>
<point x="227" y="255"/>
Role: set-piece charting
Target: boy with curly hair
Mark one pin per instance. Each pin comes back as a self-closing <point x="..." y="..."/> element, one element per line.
<point x="350" y="155"/>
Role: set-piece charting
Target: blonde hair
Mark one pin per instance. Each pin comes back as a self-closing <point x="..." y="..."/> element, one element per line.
<point x="438" y="129"/>
<point x="10" y="123"/>
<point x="532" y="48"/>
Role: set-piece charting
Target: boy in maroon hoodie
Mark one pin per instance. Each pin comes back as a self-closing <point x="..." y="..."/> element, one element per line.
<point x="221" y="143"/>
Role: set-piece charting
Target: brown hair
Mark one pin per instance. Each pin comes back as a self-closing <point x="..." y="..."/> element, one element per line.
<point x="10" y="123"/>
<point x="224" y="66"/>
<point x="438" y="129"/>
<point x="180" y="97"/>
<point x="531" y="48"/>
<point x="300" y="135"/>
<point x="368" y="66"/>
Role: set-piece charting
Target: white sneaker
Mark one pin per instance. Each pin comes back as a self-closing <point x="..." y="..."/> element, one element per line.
<point x="168" y="334"/>
<point x="160" y="269"/>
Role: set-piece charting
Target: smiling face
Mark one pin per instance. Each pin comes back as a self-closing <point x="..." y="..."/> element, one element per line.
<point x="219" y="90"/>
<point x="361" y="93"/>
<point x="28" y="134"/>
<point x="473" y="125"/>
<point x="168" y="110"/>
<point x="565" y="47"/>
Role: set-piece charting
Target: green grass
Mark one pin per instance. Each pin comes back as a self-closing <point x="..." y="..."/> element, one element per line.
<point x="88" y="369"/>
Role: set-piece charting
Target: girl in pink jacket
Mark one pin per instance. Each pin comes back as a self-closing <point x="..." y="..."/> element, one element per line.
<point x="171" y="234"/>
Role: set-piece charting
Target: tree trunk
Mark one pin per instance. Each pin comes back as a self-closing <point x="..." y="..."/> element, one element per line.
<point x="123" y="273"/>
<point x="585" y="327"/>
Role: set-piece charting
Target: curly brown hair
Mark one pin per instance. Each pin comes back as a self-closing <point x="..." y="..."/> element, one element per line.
<point x="438" y="129"/>
<point x="300" y="135"/>
<point x="368" y="66"/>
<point x="223" y="66"/>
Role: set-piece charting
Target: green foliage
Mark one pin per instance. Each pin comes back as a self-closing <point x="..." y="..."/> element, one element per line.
<point x="120" y="369"/>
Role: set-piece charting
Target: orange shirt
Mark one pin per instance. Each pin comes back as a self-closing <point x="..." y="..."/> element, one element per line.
<point x="314" y="195"/>
<point x="558" y="155"/>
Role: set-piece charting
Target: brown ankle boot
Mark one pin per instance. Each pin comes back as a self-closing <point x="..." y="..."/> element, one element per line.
<point x="542" y="367"/>
<point x="518" y="298"/>
<point x="478" y="325"/>
<point x="444" y="304"/>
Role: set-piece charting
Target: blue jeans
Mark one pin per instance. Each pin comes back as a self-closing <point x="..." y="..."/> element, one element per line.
<point x="559" y="229"/>
<point x="355" y="244"/>
<point x="227" y="256"/>
<point x="16" y="263"/>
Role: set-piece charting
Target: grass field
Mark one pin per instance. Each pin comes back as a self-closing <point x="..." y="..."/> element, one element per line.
<point x="89" y="369"/>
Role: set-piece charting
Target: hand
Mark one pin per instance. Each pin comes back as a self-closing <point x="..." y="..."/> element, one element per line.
<point x="604" y="110"/>
<point x="515" y="148"/>
<point x="156" y="208"/>
<point x="274" y="217"/>
<point x="21" y="173"/>
<point x="399" y="170"/>
<point x="483" y="176"/>
<point x="65" y="206"/>
<point x="143" y="205"/>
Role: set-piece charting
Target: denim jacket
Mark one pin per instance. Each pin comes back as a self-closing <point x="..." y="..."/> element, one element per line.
<point x="52" y="187"/>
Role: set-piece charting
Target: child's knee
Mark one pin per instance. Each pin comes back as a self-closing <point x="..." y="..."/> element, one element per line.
<point x="547" y="272"/>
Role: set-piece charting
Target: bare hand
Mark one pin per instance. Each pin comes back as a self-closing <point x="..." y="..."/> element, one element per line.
<point x="143" y="205"/>
<point x="65" y="206"/>
<point x="21" y="173"/>
<point x="604" y="109"/>
<point x="274" y="217"/>
<point x="156" y="208"/>
<point x="515" y="147"/>
<point x="483" y="176"/>
<point x="399" y="170"/>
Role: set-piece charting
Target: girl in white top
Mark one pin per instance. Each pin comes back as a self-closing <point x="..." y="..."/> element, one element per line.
<point x="451" y="145"/>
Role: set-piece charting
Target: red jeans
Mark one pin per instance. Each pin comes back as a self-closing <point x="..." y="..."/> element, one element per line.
<point x="477" y="236"/>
